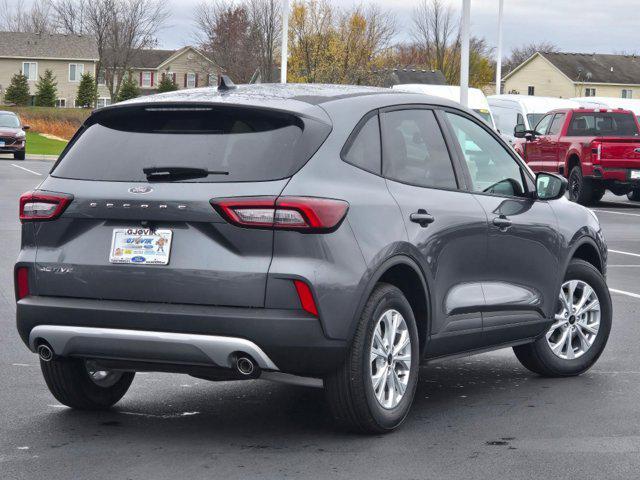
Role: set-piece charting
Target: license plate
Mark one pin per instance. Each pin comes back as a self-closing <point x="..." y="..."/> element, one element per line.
<point x="140" y="246"/>
<point x="634" y="175"/>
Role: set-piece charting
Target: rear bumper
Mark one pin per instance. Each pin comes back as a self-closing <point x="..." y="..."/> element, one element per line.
<point x="614" y="174"/>
<point x="291" y="341"/>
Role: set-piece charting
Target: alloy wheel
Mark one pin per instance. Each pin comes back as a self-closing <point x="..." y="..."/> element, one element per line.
<point x="577" y="321"/>
<point x="390" y="359"/>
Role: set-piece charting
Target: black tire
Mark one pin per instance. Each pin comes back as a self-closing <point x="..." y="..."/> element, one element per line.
<point x="580" y="188"/>
<point x="538" y="356"/>
<point x="634" y="195"/>
<point x="597" y="194"/>
<point x="349" y="391"/>
<point x="19" y="155"/>
<point x="69" y="382"/>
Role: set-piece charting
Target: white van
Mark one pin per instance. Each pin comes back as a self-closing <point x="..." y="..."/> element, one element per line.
<point x="611" y="102"/>
<point x="510" y="110"/>
<point x="477" y="100"/>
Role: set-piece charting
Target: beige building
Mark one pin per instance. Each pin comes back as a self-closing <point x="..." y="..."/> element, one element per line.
<point x="187" y="67"/>
<point x="67" y="56"/>
<point x="568" y="75"/>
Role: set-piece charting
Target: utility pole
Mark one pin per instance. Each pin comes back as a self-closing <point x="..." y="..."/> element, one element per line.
<point x="285" y="41"/>
<point x="464" y="53"/>
<point x="499" y="50"/>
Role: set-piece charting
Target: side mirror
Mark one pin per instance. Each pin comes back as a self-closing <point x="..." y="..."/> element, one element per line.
<point x="519" y="131"/>
<point x="550" y="186"/>
<point x="26" y="127"/>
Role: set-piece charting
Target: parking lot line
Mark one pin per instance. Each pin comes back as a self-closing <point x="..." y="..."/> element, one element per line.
<point x="26" y="169"/>
<point x="622" y="292"/>
<point x="617" y="213"/>
<point x="620" y="252"/>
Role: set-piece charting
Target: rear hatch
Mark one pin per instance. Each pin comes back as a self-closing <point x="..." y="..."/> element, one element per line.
<point x="155" y="237"/>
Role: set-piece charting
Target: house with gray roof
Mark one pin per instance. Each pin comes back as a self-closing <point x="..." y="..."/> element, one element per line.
<point x="69" y="56"/>
<point x="567" y="75"/>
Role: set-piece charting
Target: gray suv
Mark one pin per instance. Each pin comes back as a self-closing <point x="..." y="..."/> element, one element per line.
<point x="319" y="234"/>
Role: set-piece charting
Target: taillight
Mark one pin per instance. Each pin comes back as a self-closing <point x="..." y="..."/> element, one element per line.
<point x="596" y="151"/>
<point x="42" y="206"/>
<point x="305" y="214"/>
<point x="22" y="282"/>
<point x="306" y="297"/>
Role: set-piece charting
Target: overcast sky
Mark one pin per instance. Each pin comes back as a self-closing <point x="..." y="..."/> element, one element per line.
<point x="603" y="26"/>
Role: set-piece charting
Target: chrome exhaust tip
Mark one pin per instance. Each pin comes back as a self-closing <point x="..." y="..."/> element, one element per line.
<point x="44" y="352"/>
<point x="245" y="366"/>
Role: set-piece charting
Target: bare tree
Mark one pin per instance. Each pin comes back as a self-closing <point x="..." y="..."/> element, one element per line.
<point x="18" y="18"/>
<point x="266" y="23"/>
<point x="520" y="54"/>
<point x="436" y="32"/>
<point x="225" y="32"/>
<point x="70" y="16"/>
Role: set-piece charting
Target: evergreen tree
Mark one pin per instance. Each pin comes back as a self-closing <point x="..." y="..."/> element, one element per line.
<point x="46" y="91"/>
<point x="87" y="92"/>
<point x="129" y="88"/>
<point x="18" y="90"/>
<point x="167" y="84"/>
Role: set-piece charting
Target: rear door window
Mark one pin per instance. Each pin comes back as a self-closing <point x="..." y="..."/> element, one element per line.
<point x="414" y="151"/>
<point x="249" y="144"/>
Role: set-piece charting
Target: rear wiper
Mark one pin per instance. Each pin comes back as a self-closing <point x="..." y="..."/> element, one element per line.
<point x="179" y="173"/>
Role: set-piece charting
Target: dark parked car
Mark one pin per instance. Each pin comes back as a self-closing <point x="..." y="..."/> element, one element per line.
<point x="13" y="138"/>
<point x="342" y="234"/>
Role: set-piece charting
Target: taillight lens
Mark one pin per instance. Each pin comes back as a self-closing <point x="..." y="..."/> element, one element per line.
<point x="22" y="282"/>
<point x="42" y="206"/>
<point x="596" y="151"/>
<point x="308" y="214"/>
<point x="306" y="297"/>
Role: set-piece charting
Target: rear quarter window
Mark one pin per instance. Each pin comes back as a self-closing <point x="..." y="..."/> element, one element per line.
<point x="249" y="144"/>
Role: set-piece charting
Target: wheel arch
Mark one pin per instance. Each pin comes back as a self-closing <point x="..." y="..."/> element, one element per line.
<point x="403" y="272"/>
<point x="586" y="249"/>
<point x="572" y="160"/>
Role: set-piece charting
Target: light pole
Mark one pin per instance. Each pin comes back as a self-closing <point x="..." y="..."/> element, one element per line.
<point x="499" y="50"/>
<point x="285" y="41"/>
<point x="464" y="53"/>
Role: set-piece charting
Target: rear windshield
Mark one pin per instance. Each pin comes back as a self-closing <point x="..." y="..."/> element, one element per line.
<point x="603" y="124"/>
<point x="249" y="144"/>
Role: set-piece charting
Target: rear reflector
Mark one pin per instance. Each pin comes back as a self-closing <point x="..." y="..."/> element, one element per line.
<point x="306" y="297"/>
<point x="22" y="282"/>
<point x="42" y="206"/>
<point x="306" y="214"/>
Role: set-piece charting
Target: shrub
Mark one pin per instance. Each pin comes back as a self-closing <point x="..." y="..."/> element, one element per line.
<point x="167" y="84"/>
<point x="87" y="92"/>
<point x="18" y="90"/>
<point x="129" y="88"/>
<point x="46" y="91"/>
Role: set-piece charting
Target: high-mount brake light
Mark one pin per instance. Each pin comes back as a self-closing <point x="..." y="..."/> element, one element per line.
<point x="304" y="214"/>
<point x="42" y="206"/>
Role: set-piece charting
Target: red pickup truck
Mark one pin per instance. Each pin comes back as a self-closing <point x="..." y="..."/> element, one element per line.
<point x="596" y="149"/>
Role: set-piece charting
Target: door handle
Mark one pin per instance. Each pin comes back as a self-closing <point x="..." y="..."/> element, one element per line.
<point x="422" y="218"/>
<point x="502" y="222"/>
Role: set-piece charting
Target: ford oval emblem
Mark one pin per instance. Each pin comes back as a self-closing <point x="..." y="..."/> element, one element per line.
<point x="141" y="190"/>
<point x="138" y="259"/>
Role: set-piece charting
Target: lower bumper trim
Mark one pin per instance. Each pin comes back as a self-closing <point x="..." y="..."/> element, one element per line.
<point x="151" y="346"/>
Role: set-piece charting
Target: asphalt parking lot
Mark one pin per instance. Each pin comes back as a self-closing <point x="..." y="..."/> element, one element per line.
<point x="480" y="417"/>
